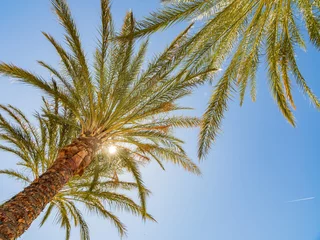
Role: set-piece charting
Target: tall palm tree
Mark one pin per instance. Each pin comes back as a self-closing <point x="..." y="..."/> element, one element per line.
<point x="37" y="150"/>
<point x="238" y="34"/>
<point x="115" y="105"/>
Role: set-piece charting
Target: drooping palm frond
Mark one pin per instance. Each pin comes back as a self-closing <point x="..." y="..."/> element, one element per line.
<point x="238" y="34"/>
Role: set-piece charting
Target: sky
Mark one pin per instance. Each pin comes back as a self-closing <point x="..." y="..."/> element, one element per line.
<point x="260" y="181"/>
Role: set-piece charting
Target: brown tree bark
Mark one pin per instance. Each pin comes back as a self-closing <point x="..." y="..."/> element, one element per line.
<point x="17" y="214"/>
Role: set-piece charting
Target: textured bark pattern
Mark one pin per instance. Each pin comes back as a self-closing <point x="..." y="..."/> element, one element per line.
<point x="17" y="214"/>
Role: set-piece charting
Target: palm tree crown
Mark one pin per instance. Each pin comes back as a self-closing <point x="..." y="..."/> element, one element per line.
<point x="117" y="103"/>
<point x="238" y="33"/>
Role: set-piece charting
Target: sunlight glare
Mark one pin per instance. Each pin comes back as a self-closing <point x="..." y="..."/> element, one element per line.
<point x="112" y="149"/>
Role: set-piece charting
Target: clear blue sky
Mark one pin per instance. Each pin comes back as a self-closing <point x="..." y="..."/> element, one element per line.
<point x="257" y="165"/>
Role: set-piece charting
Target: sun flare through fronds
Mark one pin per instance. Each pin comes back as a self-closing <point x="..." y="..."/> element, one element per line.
<point x="112" y="149"/>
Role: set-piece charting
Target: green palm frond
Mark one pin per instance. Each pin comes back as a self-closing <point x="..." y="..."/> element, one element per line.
<point x="15" y="174"/>
<point x="132" y="167"/>
<point x="239" y="34"/>
<point x="179" y="11"/>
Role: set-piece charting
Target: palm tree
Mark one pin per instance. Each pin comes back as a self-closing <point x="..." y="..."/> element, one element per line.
<point x="116" y="105"/>
<point x="37" y="150"/>
<point x="238" y="34"/>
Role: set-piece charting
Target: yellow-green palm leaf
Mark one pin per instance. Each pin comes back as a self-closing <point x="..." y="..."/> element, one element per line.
<point x="237" y="35"/>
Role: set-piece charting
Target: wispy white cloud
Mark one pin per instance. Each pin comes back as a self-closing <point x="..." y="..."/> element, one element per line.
<point x="301" y="200"/>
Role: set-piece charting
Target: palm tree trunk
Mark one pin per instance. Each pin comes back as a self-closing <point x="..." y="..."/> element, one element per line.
<point x="17" y="214"/>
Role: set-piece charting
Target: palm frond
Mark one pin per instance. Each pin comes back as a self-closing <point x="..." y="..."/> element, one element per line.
<point x="236" y="35"/>
<point x="15" y="174"/>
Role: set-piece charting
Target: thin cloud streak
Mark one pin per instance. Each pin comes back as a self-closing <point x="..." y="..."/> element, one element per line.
<point x="301" y="200"/>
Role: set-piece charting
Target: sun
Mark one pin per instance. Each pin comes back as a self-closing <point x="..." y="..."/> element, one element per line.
<point x="112" y="149"/>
